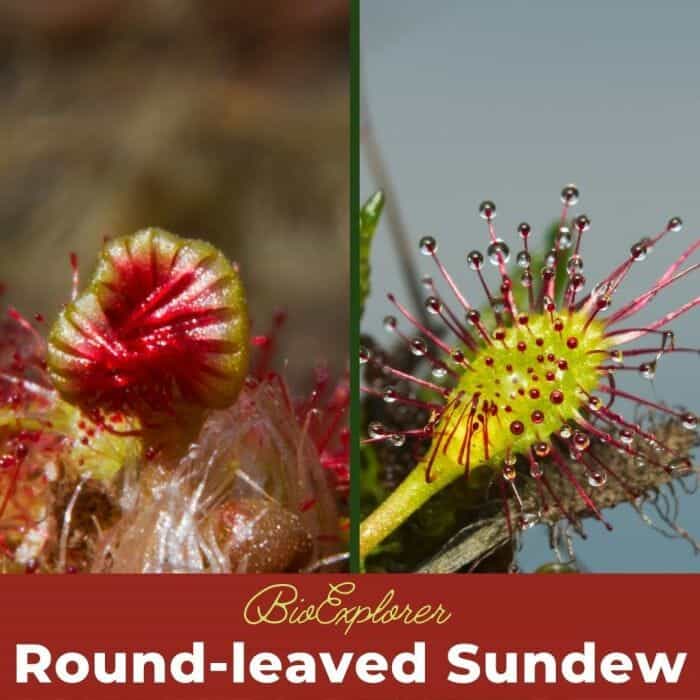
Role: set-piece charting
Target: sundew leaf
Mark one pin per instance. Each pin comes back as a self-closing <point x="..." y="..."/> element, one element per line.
<point x="163" y="321"/>
<point x="537" y="256"/>
<point x="370" y="212"/>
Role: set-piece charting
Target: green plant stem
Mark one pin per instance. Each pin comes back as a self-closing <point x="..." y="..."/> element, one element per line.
<point x="410" y="495"/>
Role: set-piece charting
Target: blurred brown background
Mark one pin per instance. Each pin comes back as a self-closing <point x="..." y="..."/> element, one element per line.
<point x="220" y="119"/>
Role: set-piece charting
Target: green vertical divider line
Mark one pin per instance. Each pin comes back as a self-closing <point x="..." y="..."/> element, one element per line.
<point x="354" y="285"/>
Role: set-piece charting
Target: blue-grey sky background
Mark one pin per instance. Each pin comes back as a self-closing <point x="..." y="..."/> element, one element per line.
<point x="509" y="101"/>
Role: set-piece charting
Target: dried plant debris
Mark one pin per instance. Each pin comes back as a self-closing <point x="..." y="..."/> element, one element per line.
<point x="249" y="496"/>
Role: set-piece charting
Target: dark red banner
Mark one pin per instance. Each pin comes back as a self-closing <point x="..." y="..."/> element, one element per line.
<point x="211" y="637"/>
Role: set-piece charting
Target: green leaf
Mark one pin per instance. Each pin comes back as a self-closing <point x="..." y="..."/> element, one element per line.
<point x="369" y="218"/>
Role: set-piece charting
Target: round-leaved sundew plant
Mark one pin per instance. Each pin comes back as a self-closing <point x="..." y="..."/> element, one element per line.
<point x="150" y="433"/>
<point x="161" y="330"/>
<point x="527" y="386"/>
